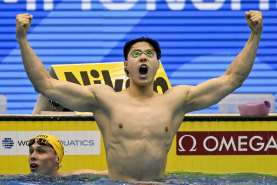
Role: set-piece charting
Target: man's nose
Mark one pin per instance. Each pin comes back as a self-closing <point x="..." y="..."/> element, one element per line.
<point x="142" y="58"/>
<point x="33" y="156"/>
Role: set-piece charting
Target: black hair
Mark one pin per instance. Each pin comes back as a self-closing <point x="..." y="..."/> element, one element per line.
<point x="152" y="42"/>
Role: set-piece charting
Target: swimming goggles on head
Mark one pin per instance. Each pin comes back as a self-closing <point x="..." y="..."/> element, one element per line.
<point x="136" y="53"/>
<point x="40" y="141"/>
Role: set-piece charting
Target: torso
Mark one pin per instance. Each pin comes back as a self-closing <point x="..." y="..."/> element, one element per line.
<point x="137" y="135"/>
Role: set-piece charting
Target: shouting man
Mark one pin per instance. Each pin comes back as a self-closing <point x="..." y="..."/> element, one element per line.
<point x="138" y="125"/>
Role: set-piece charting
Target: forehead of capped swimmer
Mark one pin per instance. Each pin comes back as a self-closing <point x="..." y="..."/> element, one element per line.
<point x="52" y="141"/>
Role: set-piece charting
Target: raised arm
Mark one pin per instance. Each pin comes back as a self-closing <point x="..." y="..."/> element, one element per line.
<point x="212" y="91"/>
<point x="70" y="95"/>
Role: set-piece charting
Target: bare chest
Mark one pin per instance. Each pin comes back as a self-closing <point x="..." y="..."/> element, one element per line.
<point x="140" y="121"/>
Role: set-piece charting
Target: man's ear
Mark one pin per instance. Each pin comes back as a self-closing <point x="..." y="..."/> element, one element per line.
<point x="126" y="64"/>
<point x="159" y="63"/>
<point x="57" y="159"/>
<point x="126" y="68"/>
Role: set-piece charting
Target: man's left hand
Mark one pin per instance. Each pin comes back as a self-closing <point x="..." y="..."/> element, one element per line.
<point x="255" y="21"/>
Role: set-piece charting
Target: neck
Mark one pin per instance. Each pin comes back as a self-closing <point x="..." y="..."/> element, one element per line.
<point x="137" y="91"/>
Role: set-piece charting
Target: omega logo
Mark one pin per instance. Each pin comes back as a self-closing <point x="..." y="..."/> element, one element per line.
<point x="227" y="143"/>
<point x="181" y="149"/>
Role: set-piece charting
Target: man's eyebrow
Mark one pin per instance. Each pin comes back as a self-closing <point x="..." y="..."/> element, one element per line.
<point x="132" y="49"/>
<point x="140" y="49"/>
<point x="40" y="147"/>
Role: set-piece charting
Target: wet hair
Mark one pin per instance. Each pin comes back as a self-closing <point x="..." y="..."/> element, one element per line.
<point x="152" y="42"/>
<point x="130" y="43"/>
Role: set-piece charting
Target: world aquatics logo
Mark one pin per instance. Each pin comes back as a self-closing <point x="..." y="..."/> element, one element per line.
<point x="7" y="143"/>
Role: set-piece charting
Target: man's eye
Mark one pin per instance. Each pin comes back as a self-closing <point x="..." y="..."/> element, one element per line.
<point x="149" y="52"/>
<point x="41" y="151"/>
<point x="135" y="53"/>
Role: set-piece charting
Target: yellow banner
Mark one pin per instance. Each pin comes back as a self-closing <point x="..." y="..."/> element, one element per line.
<point x="222" y="164"/>
<point x="266" y="164"/>
<point x="111" y="74"/>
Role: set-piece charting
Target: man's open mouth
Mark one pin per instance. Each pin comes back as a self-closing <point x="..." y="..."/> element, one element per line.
<point x="33" y="166"/>
<point x="143" y="69"/>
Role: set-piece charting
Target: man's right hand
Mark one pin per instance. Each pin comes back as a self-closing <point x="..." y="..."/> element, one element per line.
<point x="23" y="23"/>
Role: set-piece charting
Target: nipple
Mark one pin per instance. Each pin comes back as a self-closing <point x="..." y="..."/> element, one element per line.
<point x="166" y="128"/>
<point x="120" y="125"/>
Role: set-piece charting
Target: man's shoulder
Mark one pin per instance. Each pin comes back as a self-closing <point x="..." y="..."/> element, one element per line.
<point x="100" y="87"/>
<point x="178" y="94"/>
<point x="103" y="92"/>
<point x="178" y="89"/>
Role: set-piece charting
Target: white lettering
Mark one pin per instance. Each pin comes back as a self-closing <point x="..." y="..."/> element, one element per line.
<point x="150" y="4"/>
<point x="86" y="5"/>
<point x="235" y="5"/>
<point x="118" y="6"/>
<point x="227" y="146"/>
<point x="240" y="143"/>
<point x="259" y="144"/>
<point x="271" y="144"/>
<point x="205" y="141"/>
<point x="31" y="4"/>
<point x="264" y="5"/>
<point x="48" y="4"/>
<point x="176" y="4"/>
<point x="181" y="149"/>
<point x="10" y="1"/>
<point x="200" y="5"/>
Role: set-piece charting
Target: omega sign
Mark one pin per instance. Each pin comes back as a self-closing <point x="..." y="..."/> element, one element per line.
<point x="227" y="143"/>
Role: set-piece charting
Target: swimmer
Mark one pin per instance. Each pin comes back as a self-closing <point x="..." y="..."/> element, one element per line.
<point x="138" y="125"/>
<point x="45" y="155"/>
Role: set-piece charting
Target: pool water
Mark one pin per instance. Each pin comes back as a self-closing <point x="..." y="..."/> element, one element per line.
<point x="172" y="178"/>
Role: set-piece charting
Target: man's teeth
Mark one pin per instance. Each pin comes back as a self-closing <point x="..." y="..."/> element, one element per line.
<point x="143" y="69"/>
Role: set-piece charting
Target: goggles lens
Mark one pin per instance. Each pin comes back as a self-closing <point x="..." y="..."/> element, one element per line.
<point x="136" y="53"/>
<point x="40" y="141"/>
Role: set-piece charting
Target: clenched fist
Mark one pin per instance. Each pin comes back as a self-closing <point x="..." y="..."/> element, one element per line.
<point x="23" y="23"/>
<point x="255" y="21"/>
